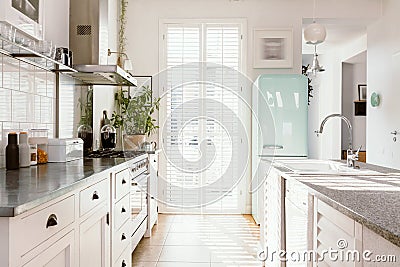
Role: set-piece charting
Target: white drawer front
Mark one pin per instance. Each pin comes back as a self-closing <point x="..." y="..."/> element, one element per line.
<point x="122" y="183"/>
<point x="121" y="240"/>
<point x="34" y="229"/>
<point x="122" y="212"/>
<point x="125" y="260"/>
<point x="92" y="196"/>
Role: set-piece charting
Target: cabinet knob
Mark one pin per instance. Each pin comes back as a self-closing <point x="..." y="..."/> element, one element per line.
<point x="123" y="237"/>
<point x="51" y="221"/>
<point x="123" y="181"/>
<point x="95" y="195"/>
<point x="123" y="264"/>
<point x="123" y="210"/>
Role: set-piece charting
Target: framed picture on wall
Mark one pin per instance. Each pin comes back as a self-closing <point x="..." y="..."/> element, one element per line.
<point x="362" y="92"/>
<point x="273" y="48"/>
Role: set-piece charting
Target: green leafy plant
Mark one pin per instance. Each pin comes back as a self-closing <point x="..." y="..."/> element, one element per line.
<point x="135" y="113"/>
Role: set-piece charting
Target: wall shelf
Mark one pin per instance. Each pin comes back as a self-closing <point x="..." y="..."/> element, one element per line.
<point x="88" y="74"/>
<point x="28" y="55"/>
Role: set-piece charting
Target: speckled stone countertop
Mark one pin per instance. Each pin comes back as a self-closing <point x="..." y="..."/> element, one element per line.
<point x="372" y="200"/>
<point x="26" y="188"/>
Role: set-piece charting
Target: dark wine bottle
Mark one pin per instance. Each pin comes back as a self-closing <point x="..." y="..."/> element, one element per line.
<point x="12" y="152"/>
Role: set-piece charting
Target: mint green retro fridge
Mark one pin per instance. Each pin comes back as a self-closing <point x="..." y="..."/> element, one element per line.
<point x="279" y="125"/>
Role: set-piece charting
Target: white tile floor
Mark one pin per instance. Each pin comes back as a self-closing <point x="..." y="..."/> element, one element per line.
<point x="200" y="240"/>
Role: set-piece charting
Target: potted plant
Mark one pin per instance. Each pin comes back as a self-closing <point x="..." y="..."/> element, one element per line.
<point x="134" y="116"/>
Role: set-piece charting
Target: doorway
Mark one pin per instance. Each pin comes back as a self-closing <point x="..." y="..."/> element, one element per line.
<point x="354" y="102"/>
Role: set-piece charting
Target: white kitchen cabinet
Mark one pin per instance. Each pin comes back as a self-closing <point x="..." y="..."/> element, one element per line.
<point x="152" y="193"/>
<point x="379" y="247"/>
<point x="298" y="222"/>
<point x="94" y="228"/>
<point x="59" y="254"/>
<point x="334" y="230"/>
<point x="94" y="236"/>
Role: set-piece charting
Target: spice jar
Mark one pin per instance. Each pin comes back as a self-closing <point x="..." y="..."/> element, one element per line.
<point x="40" y="138"/>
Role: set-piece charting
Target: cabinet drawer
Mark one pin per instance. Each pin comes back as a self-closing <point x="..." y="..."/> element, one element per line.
<point x="121" y="240"/>
<point x="41" y="225"/>
<point x="92" y="196"/>
<point x="121" y="212"/>
<point x="122" y="183"/>
<point x="125" y="259"/>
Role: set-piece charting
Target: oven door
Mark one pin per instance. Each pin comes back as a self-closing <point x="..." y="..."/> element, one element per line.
<point x="139" y="199"/>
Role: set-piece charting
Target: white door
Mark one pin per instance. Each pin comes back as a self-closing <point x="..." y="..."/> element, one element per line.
<point x="203" y="118"/>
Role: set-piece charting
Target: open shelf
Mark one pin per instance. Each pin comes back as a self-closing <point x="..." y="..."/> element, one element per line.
<point x="88" y="74"/>
<point x="32" y="57"/>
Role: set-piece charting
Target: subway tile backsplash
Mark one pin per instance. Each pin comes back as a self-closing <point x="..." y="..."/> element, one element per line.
<point x="27" y="98"/>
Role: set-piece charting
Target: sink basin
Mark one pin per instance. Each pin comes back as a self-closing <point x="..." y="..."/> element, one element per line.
<point x="313" y="167"/>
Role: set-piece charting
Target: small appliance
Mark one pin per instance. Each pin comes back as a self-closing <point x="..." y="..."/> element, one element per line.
<point x="64" y="150"/>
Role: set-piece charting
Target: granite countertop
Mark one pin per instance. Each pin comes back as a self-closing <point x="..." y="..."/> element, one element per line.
<point x="26" y="188"/>
<point x="372" y="200"/>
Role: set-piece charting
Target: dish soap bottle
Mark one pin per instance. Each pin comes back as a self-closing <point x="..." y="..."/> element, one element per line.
<point x="24" y="150"/>
<point x="12" y="152"/>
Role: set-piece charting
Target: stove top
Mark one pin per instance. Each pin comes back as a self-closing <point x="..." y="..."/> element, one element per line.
<point x="113" y="154"/>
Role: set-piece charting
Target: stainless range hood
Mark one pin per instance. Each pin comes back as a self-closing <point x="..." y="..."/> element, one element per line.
<point x="88" y="37"/>
<point x="103" y="75"/>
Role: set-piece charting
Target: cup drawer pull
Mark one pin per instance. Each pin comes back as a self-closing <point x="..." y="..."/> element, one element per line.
<point x="123" y="181"/>
<point x="95" y="195"/>
<point x="123" y="210"/>
<point x="51" y="221"/>
<point x="123" y="237"/>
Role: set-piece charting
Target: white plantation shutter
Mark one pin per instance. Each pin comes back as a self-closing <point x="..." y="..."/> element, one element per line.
<point x="212" y="43"/>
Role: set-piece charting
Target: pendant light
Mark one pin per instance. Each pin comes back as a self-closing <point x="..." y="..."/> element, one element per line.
<point x="314" y="33"/>
<point x="315" y="67"/>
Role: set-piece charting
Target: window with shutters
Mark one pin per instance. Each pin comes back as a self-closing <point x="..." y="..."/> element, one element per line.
<point x="201" y="106"/>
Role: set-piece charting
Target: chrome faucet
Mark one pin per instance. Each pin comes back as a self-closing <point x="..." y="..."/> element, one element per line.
<point x="352" y="156"/>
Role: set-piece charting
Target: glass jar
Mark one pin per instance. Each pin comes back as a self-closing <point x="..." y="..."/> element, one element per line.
<point x="40" y="138"/>
<point x="108" y="137"/>
<point x="85" y="132"/>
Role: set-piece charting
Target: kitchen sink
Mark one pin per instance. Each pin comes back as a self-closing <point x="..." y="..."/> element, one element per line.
<point x="315" y="167"/>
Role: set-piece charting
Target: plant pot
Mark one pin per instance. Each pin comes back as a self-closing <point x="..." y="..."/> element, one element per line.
<point x="134" y="141"/>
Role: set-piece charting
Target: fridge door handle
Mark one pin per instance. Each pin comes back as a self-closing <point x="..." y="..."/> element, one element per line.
<point x="273" y="146"/>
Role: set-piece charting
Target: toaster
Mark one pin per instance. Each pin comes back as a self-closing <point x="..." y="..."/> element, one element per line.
<point x="65" y="149"/>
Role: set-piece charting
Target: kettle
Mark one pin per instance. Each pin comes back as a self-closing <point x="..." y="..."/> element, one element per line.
<point x="146" y="146"/>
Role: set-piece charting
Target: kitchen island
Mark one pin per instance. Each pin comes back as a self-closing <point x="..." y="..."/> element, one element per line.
<point x="71" y="214"/>
<point x="318" y="211"/>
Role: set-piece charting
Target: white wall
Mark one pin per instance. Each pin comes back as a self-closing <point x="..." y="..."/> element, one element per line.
<point x="144" y="16"/>
<point x="383" y="78"/>
<point x="143" y="36"/>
